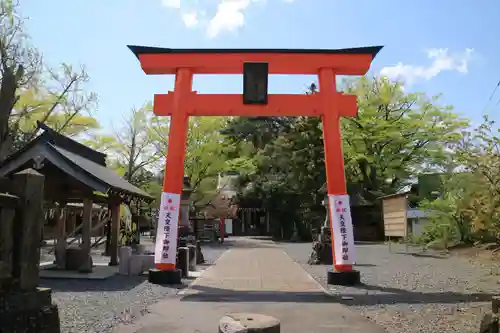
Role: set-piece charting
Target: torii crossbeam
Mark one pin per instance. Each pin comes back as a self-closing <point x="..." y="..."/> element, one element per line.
<point x="329" y="104"/>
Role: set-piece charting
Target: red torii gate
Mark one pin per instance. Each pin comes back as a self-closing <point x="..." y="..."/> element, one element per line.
<point x="255" y="64"/>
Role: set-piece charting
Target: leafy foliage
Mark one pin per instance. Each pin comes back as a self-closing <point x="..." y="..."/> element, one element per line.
<point x="394" y="136"/>
<point x="471" y="207"/>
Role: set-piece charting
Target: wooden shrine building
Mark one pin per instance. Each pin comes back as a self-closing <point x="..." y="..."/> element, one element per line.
<point x="75" y="173"/>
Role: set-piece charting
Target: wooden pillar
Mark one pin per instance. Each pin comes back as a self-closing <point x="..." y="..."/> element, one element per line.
<point x="114" y="210"/>
<point x="71" y="217"/>
<point x="61" y="236"/>
<point x="342" y="237"/>
<point x="268" y="223"/>
<point x="86" y="228"/>
<point x="222" y="228"/>
<point x="242" y="221"/>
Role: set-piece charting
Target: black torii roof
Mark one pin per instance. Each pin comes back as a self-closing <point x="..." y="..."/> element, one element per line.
<point x="78" y="161"/>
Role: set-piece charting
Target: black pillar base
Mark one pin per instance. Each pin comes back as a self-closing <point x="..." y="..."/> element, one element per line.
<point x="347" y="278"/>
<point x="171" y="277"/>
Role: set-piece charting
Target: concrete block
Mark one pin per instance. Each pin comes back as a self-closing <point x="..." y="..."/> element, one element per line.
<point x="135" y="265"/>
<point x="124" y="254"/>
<point x="148" y="261"/>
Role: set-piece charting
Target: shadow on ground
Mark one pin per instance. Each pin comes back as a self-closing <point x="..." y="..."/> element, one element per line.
<point x="277" y="241"/>
<point x="284" y="241"/>
<point x="425" y="255"/>
<point x="230" y="243"/>
<point x="211" y="294"/>
<point x="390" y="296"/>
<point x="115" y="283"/>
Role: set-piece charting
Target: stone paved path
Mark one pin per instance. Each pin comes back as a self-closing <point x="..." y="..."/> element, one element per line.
<point x="253" y="276"/>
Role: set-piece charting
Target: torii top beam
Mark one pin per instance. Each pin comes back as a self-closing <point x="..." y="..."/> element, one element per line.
<point x="352" y="61"/>
<point x="155" y="60"/>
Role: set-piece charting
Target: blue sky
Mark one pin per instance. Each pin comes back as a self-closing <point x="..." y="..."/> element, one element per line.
<point x="448" y="47"/>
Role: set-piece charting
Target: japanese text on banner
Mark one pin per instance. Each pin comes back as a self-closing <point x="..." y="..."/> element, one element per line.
<point x="342" y="229"/>
<point x="167" y="228"/>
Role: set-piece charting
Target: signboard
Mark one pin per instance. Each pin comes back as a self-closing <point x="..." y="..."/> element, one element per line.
<point x="395" y="219"/>
<point x="167" y="228"/>
<point x="343" y="237"/>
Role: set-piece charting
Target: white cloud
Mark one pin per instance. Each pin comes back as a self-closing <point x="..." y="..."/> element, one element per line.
<point x="229" y="15"/>
<point x="442" y="61"/>
<point x="171" y="3"/>
<point x="190" y="19"/>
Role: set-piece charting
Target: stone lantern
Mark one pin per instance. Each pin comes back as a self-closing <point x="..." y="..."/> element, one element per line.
<point x="326" y="224"/>
<point x="321" y="253"/>
<point x="185" y="228"/>
<point x="186" y="203"/>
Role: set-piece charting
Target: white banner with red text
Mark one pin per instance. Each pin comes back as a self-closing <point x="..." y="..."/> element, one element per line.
<point x="167" y="228"/>
<point x="342" y="231"/>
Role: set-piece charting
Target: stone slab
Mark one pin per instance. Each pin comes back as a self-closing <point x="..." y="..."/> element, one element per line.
<point x="248" y="323"/>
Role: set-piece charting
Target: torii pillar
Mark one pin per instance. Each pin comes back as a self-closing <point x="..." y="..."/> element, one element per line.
<point x="255" y="65"/>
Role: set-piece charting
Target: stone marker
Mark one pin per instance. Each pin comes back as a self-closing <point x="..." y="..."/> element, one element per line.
<point x="23" y="306"/>
<point x="27" y="231"/>
<point x="200" y="259"/>
<point x="192" y="257"/>
<point x="248" y="323"/>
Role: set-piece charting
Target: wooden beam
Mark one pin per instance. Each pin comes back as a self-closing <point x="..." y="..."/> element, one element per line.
<point x="232" y="63"/>
<point x="231" y="105"/>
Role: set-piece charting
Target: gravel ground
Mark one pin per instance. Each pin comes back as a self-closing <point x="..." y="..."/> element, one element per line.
<point x="410" y="292"/>
<point x="88" y="306"/>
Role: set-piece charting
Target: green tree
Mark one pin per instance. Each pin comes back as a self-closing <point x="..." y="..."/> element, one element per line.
<point x="134" y="150"/>
<point x="479" y="157"/>
<point x="449" y="214"/>
<point x="394" y="136"/>
<point x="207" y="154"/>
<point x="20" y="64"/>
